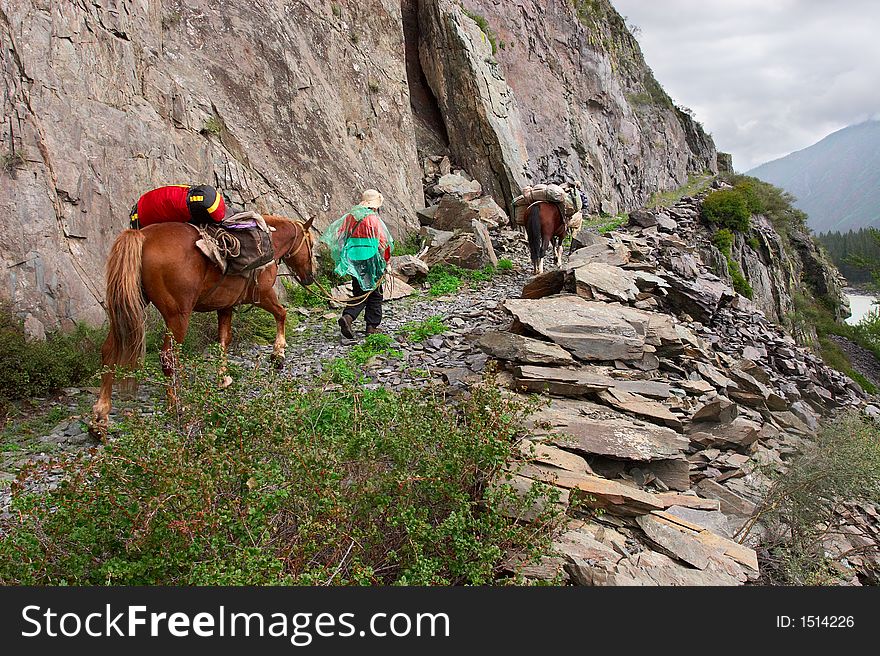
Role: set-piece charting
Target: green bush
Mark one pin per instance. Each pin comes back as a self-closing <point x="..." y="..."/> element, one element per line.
<point x="723" y="240"/>
<point x="740" y="284"/>
<point x="411" y="244"/>
<point x="265" y="483"/>
<point x="728" y="209"/>
<point x="505" y="265"/>
<point x="34" y="368"/>
<point x="800" y="510"/>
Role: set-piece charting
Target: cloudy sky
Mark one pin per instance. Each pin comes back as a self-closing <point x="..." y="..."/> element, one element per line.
<point x="765" y="77"/>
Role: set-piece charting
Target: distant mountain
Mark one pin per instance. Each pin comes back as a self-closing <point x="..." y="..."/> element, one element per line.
<point x="836" y="181"/>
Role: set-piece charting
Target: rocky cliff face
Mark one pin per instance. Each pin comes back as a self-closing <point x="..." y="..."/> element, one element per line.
<point x="589" y="105"/>
<point x="293" y="107"/>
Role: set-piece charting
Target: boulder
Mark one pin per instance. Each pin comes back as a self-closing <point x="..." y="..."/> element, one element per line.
<point x="484" y="241"/>
<point x="596" y="279"/>
<point x="643" y="218"/>
<point x="426" y="215"/>
<point x="436" y="237"/>
<point x="479" y="109"/>
<point x="739" y="433"/>
<point x="523" y="350"/>
<point x="454" y="213"/>
<point x="489" y="212"/>
<point x="589" y="331"/>
<point x="613" y="497"/>
<point x="408" y="265"/>
<point x="720" y="410"/>
<point x="461" y="250"/>
<point x="460" y="187"/>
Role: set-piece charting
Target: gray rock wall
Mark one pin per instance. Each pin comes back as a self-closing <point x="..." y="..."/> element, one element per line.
<point x="294" y="106"/>
<point x="589" y="104"/>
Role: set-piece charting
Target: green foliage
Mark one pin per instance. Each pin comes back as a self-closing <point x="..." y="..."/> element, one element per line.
<point x="484" y="28"/>
<point x="213" y="125"/>
<point x="856" y="254"/>
<point x="727" y="208"/>
<point x="740" y="284"/>
<point x="374" y="345"/>
<point x="34" y="368"/>
<point x="606" y="223"/>
<point x="809" y="313"/>
<point x="763" y="198"/>
<point x="446" y="279"/>
<point x="613" y="223"/>
<point x="265" y="483"/>
<point x="754" y="243"/>
<point x="374" y="86"/>
<point x="419" y="331"/>
<point x="337" y="10"/>
<point x="505" y="265"/>
<point x="411" y="244"/>
<point x="801" y="508"/>
<point x="723" y="240"/>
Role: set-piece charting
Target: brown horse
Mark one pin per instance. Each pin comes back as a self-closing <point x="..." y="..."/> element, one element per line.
<point x="544" y="226"/>
<point x="161" y="265"/>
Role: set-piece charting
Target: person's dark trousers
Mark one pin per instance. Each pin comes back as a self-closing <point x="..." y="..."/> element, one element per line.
<point x="373" y="304"/>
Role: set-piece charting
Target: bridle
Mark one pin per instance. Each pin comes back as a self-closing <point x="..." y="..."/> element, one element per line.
<point x="294" y="249"/>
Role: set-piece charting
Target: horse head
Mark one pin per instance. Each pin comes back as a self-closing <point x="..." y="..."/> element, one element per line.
<point x="300" y="255"/>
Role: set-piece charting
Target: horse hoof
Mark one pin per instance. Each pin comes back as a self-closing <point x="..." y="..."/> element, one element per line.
<point x="98" y="429"/>
<point x="226" y="382"/>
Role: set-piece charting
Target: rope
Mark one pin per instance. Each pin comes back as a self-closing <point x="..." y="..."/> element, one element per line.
<point x="328" y="296"/>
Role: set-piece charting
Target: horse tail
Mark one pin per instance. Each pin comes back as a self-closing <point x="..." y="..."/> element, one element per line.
<point x="126" y="341"/>
<point x="533" y="230"/>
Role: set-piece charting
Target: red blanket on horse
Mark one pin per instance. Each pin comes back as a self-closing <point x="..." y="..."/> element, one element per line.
<point x="180" y="203"/>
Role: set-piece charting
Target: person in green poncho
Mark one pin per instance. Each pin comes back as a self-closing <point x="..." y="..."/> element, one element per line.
<point x="361" y="245"/>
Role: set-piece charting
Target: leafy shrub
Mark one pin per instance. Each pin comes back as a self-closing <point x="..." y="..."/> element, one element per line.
<point x="34" y="368"/>
<point x="264" y="483"/>
<point x="728" y="209"/>
<point x="800" y="509"/>
<point x="723" y="240"/>
<point x="505" y="265"/>
<point x="419" y="331"/>
<point x="740" y="284"/>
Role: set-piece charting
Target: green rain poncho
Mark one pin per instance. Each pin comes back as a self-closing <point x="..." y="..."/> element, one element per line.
<point x="359" y="243"/>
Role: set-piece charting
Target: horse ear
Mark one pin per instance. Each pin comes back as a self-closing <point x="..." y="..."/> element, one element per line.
<point x="308" y="224"/>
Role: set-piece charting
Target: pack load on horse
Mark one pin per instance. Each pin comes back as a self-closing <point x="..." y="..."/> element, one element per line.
<point x="160" y="263"/>
<point x="567" y="199"/>
<point x="196" y="204"/>
<point x="548" y="212"/>
<point x="360" y="245"/>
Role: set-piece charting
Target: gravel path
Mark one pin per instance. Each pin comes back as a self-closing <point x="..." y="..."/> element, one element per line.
<point x="450" y="357"/>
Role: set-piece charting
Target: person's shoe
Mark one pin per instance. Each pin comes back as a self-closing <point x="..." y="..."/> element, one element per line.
<point x="345" y="326"/>
<point x="373" y="330"/>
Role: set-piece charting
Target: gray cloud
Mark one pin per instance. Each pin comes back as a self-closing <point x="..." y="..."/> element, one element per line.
<point x="765" y="77"/>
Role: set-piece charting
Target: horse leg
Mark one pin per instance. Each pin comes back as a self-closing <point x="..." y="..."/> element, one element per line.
<point x="558" y="252"/>
<point x="177" y="323"/>
<point x="224" y="334"/>
<point x="269" y="302"/>
<point x="101" y="409"/>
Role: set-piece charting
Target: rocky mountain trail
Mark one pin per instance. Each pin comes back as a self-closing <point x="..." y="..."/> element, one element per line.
<point x="678" y="385"/>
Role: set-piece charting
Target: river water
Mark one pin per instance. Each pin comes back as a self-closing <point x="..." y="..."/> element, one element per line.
<point x="859" y="305"/>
